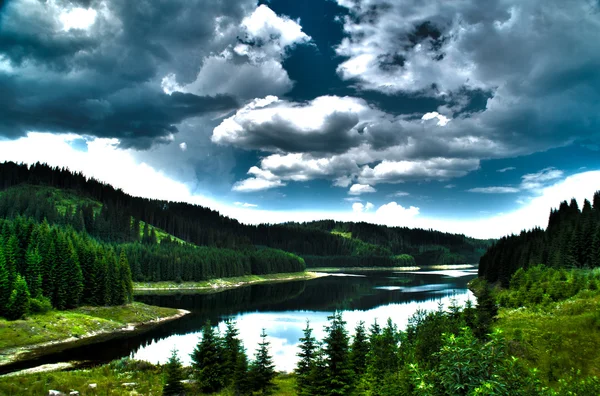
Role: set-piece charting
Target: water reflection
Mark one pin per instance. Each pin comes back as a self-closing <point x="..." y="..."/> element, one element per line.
<point x="373" y="296"/>
<point x="282" y="309"/>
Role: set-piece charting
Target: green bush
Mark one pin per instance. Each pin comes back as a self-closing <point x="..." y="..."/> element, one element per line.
<point x="40" y="305"/>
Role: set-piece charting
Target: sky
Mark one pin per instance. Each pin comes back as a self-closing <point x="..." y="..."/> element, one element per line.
<point x="465" y="116"/>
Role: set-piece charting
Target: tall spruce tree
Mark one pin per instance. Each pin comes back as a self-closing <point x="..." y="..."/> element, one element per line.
<point x="262" y="369"/>
<point x="33" y="272"/>
<point x="308" y="346"/>
<point x="173" y="376"/>
<point x="18" y="305"/>
<point x="337" y="356"/>
<point x="207" y="360"/>
<point x="232" y="346"/>
<point x="359" y="349"/>
<point x="5" y="286"/>
<point x="126" y="292"/>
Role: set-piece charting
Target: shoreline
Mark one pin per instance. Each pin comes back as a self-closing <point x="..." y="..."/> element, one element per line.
<point x="22" y="353"/>
<point x="216" y="285"/>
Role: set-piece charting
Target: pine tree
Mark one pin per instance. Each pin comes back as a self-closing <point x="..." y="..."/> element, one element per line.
<point x="174" y="375"/>
<point x="18" y="305"/>
<point x="596" y="247"/>
<point x="486" y="312"/>
<point x="5" y="288"/>
<point x="359" y="349"/>
<point x="33" y="272"/>
<point x="207" y="360"/>
<point x="231" y="348"/>
<point x="262" y="369"/>
<point x="241" y="381"/>
<point x="308" y="346"/>
<point x="125" y="279"/>
<point x="337" y="357"/>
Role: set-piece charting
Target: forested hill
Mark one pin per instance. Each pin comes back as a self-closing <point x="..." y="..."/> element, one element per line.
<point x="319" y="245"/>
<point x="572" y="240"/>
<point x="426" y="246"/>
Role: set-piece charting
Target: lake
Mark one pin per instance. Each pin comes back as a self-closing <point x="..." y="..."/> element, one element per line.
<point x="282" y="309"/>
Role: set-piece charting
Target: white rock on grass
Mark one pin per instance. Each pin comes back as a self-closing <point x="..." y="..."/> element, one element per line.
<point x="129" y="384"/>
<point x="53" y="392"/>
<point x="92" y="386"/>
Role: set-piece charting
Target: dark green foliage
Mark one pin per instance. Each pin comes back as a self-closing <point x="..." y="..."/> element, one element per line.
<point x="571" y="240"/>
<point x="486" y="310"/>
<point x="232" y="347"/>
<point x="113" y="216"/>
<point x="18" y="304"/>
<point x="541" y="285"/>
<point x="337" y="356"/>
<point x="359" y="349"/>
<point x="5" y="285"/>
<point x="308" y="347"/>
<point x="207" y="360"/>
<point x="262" y="370"/>
<point x="173" y="376"/>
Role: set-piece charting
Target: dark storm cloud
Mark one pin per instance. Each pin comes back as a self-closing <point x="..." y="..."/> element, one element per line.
<point x="105" y="80"/>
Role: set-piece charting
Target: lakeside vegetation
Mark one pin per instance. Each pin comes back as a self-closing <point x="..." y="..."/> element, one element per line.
<point x="545" y="348"/>
<point x="18" y="337"/>
<point x="222" y="283"/>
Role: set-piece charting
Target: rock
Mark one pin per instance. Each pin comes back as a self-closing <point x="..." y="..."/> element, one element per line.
<point x="129" y="384"/>
<point x="188" y="381"/>
<point x="92" y="386"/>
<point x="52" y="392"/>
<point x="73" y="393"/>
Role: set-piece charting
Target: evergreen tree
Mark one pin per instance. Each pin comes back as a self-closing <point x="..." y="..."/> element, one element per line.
<point x="174" y="375"/>
<point x="33" y="272"/>
<point x="241" y="381"/>
<point x="337" y="356"/>
<point x="125" y="279"/>
<point x="359" y="349"/>
<point x="262" y="369"/>
<point x="308" y="346"/>
<point x="486" y="312"/>
<point x="207" y="360"/>
<point x="5" y="287"/>
<point x="231" y="348"/>
<point x="18" y="305"/>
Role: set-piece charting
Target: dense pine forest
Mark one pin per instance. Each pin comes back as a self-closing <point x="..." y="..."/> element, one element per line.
<point x="571" y="240"/>
<point x="383" y="246"/>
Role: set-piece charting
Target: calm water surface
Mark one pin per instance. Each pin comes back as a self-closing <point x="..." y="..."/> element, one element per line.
<point x="282" y="310"/>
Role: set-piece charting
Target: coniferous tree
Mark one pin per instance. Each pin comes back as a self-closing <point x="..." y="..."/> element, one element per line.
<point x="33" y="274"/>
<point x="174" y="376"/>
<point x="337" y="356"/>
<point x="262" y="369"/>
<point x="359" y="349"/>
<point x="125" y="279"/>
<point x="231" y="348"/>
<point x="5" y="287"/>
<point x="308" y="346"/>
<point x="486" y="309"/>
<point x="207" y="360"/>
<point x="241" y="381"/>
<point x="18" y="305"/>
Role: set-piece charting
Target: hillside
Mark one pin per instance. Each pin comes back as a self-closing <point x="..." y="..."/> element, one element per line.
<point x="571" y="240"/>
<point x="197" y="225"/>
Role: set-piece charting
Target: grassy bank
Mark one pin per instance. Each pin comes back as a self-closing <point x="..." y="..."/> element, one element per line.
<point x="222" y="283"/>
<point x="556" y="338"/>
<point x="39" y="331"/>
<point x="120" y="377"/>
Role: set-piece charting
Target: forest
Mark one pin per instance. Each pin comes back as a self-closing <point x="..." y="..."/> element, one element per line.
<point x="571" y="240"/>
<point x="205" y="227"/>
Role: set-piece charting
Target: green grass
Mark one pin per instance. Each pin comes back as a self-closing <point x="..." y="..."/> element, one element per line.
<point x="220" y="283"/>
<point x="109" y="380"/>
<point x="18" y="336"/>
<point x="342" y="234"/>
<point x="557" y="337"/>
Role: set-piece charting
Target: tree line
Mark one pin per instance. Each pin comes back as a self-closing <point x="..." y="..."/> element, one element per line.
<point x="205" y="227"/>
<point x="44" y="266"/>
<point x="571" y="239"/>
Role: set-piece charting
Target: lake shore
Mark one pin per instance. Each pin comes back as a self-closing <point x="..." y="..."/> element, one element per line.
<point x="412" y="268"/>
<point x="214" y="285"/>
<point x="54" y="331"/>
